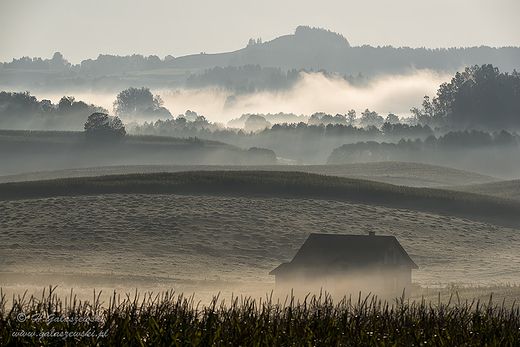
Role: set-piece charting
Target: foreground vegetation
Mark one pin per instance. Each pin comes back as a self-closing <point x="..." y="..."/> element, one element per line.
<point x="271" y="183"/>
<point x="174" y="320"/>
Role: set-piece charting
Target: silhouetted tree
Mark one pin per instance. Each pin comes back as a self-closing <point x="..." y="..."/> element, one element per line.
<point x="256" y="122"/>
<point x="58" y="62"/>
<point x="392" y="118"/>
<point x="351" y="116"/>
<point x="261" y="156"/>
<point x="132" y="102"/>
<point x="101" y="128"/>
<point x="480" y="96"/>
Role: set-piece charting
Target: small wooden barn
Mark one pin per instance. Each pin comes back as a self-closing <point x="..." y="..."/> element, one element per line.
<point x="346" y="265"/>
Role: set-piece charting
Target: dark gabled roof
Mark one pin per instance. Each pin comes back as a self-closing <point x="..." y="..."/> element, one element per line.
<point x="358" y="251"/>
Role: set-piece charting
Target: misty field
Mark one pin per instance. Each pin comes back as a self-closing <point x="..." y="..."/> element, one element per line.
<point x="228" y="241"/>
<point x="221" y="232"/>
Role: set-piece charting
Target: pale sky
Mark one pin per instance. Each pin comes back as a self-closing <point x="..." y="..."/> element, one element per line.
<point x="82" y="29"/>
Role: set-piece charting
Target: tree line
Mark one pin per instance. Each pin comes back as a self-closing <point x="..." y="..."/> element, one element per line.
<point x="478" y="97"/>
<point x="24" y="111"/>
<point x="494" y="152"/>
<point x="104" y="64"/>
<point x="254" y="78"/>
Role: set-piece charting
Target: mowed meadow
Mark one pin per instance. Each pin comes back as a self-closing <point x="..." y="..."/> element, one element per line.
<point x="206" y="232"/>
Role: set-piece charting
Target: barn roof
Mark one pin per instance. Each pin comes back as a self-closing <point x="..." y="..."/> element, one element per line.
<point x="359" y="251"/>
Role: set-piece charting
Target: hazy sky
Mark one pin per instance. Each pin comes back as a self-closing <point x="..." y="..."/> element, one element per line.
<point x="82" y="29"/>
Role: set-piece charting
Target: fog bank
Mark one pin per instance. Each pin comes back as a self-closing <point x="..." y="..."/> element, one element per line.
<point x="314" y="92"/>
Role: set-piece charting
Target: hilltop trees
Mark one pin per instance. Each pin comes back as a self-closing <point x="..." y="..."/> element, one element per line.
<point x="57" y="63"/>
<point x="322" y="35"/>
<point x="106" y="64"/>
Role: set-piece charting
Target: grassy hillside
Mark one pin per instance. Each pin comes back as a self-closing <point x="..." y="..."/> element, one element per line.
<point x="400" y="173"/>
<point x="269" y="183"/>
<point x="41" y="136"/>
<point x="504" y="189"/>
<point x="79" y="137"/>
<point x="228" y="243"/>
<point x="210" y="232"/>
<point x="23" y="151"/>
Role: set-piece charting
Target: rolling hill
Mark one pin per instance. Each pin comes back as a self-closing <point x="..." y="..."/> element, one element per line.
<point x="23" y="150"/>
<point x="224" y="231"/>
<point x="308" y="48"/>
<point x="504" y="189"/>
<point x="271" y="183"/>
<point x="314" y="48"/>
<point x="399" y="173"/>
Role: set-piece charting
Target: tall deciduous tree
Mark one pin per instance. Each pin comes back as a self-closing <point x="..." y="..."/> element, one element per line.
<point x="132" y="102"/>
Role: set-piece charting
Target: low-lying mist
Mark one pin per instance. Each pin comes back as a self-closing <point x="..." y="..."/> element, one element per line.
<point x="314" y="92"/>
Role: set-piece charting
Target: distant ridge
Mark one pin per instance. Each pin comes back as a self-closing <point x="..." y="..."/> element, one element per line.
<point x="308" y="49"/>
<point x="316" y="48"/>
